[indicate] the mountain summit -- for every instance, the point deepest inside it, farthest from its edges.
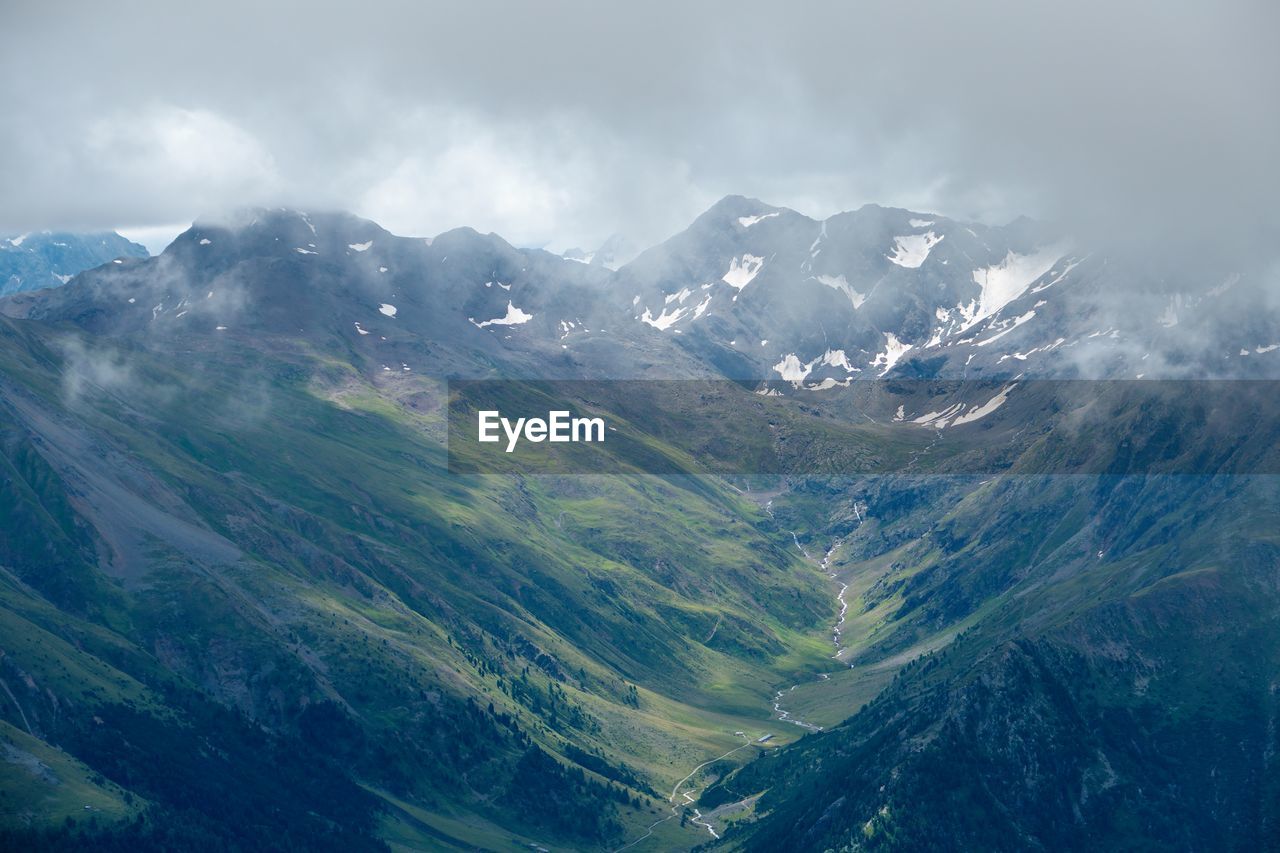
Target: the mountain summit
(749, 290)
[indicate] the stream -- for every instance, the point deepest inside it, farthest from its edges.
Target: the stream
(680, 800)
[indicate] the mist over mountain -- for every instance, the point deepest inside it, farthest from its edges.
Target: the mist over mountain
(878, 292)
(748, 290)
(1146, 124)
(612, 253)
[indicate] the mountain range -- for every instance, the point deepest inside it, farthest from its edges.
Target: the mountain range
(48, 259)
(245, 604)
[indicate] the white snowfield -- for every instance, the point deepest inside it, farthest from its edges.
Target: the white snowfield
(360, 247)
(748, 221)
(1007, 280)
(665, 320)
(839, 282)
(671, 315)
(956, 415)
(1008, 326)
(911, 250)
(514, 317)
(742, 270)
(893, 353)
(792, 369)
(387, 309)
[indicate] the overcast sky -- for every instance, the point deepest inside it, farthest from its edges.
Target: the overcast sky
(559, 123)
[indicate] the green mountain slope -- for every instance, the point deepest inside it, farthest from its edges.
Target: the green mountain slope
(244, 604)
(1112, 683)
(275, 536)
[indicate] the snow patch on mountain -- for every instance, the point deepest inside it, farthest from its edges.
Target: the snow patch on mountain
(792, 369)
(664, 320)
(1006, 281)
(1023, 356)
(837, 358)
(893, 353)
(956, 415)
(980, 412)
(822, 235)
(748, 221)
(938, 419)
(1059, 277)
(742, 270)
(670, 316)
(514, 317)
(839, 282)
(911, 250)
(1008, 326)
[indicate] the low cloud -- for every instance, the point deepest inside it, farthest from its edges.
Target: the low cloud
(562, 122)
(88, 371)
(194, 153)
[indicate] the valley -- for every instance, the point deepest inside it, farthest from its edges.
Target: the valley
(739, 427)
(779, 606)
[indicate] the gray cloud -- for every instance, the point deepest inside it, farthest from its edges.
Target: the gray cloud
(561, 122)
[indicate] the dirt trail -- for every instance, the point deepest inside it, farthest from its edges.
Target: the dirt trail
(688, 798)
